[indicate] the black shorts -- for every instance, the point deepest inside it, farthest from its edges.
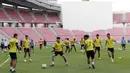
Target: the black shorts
(73, 45)
(111, 49)
(32, 47)
(2, 46)
(13, 56)
(59, 53)
(123, 45)
(67, 47)
(40, 45)
(82, 45)
(6, 46)
(97, 48)
(90, 54)
(26, 50)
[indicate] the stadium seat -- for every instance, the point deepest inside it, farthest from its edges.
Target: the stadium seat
(127, 17)
(13, 14)
(118, 18)
(40, 18)
(10, 31)
(128, 33)
(27, 16)
(47, 34)
(64, 33)
(79, 34)
(31, 33)
(116, 33)
(53, 17)
(102, 34)
(3, 16)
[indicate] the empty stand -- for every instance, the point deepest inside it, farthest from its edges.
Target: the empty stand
(117, 33)
(53, 17)
(10, 31)
(31, 33)
(102, 34)
(27, 16)
(40, 18)
(13, 14)
(64, 33)
(3, 16)
(47, 34)
(127, 17)
(79, 34)
(128, 33)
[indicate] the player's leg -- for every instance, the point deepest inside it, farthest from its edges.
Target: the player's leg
(112, 51)
(40, 46)
(99, 53)
(13, 62)
(33, 49)
(109, 53)
(62, 54)
(71, 48)
(53, 56)
(88, 58)
(66, 49)
(74, 48)
(92, 57)
(29, 54)
(25, 54)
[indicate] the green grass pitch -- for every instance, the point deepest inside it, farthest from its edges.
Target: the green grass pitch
(77, 62)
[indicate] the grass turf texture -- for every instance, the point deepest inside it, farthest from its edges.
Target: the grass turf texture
(77, 62)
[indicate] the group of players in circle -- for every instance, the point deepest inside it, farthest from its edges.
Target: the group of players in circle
(88, 45)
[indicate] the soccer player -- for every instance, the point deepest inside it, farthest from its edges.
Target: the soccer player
(32, 45)
(13, 46)
(2, 45)
(73, 42)
(123, 43)
(26, 48)
(110, 46)
(40, 43)
(67, 44)
(45, 43)
(97, 45)
(21, 46)
(88, 46)
(82, 44)
(5, 45)
(58, 51)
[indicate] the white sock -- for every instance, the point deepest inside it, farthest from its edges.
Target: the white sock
(93, 63)
(52, 62)
(66, 62)
(11, 68)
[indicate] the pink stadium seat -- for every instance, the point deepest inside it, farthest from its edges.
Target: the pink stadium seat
(79, 34)
(53, 17)
(10, 31)
(116, 33)
(3, 15)
(40, 18)
(47, 34)
(31, 33)
(128, 33)
(127, 17)
(102, 34)
(118, 18)
(64, 33)
(13, 14)
(27, 16)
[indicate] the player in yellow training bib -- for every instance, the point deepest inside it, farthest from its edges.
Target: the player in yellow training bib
(13, 46)
(110, 45)
(88, 46)
(97, 45)
(58, 50)
(67, 44)
(26, 46)
(40, 43)
(73, 42)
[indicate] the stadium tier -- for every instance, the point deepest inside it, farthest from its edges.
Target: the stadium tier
(127, 17)
(3, 16)
(117, 33)
(64, 33)
(10, 31)
(118, 18)
(53, 17)
(40, 18)
(13, 14)
(128, 33)
(102, 34)
(79, 34)
(31, 33)
(47, 34)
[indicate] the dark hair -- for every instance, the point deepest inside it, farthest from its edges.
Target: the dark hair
(97, 34)
(57, 37)
(108, 33)
(87, 36)
(15, 34)
(26, 35)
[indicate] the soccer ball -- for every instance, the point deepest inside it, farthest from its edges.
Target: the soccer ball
(44, 66)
